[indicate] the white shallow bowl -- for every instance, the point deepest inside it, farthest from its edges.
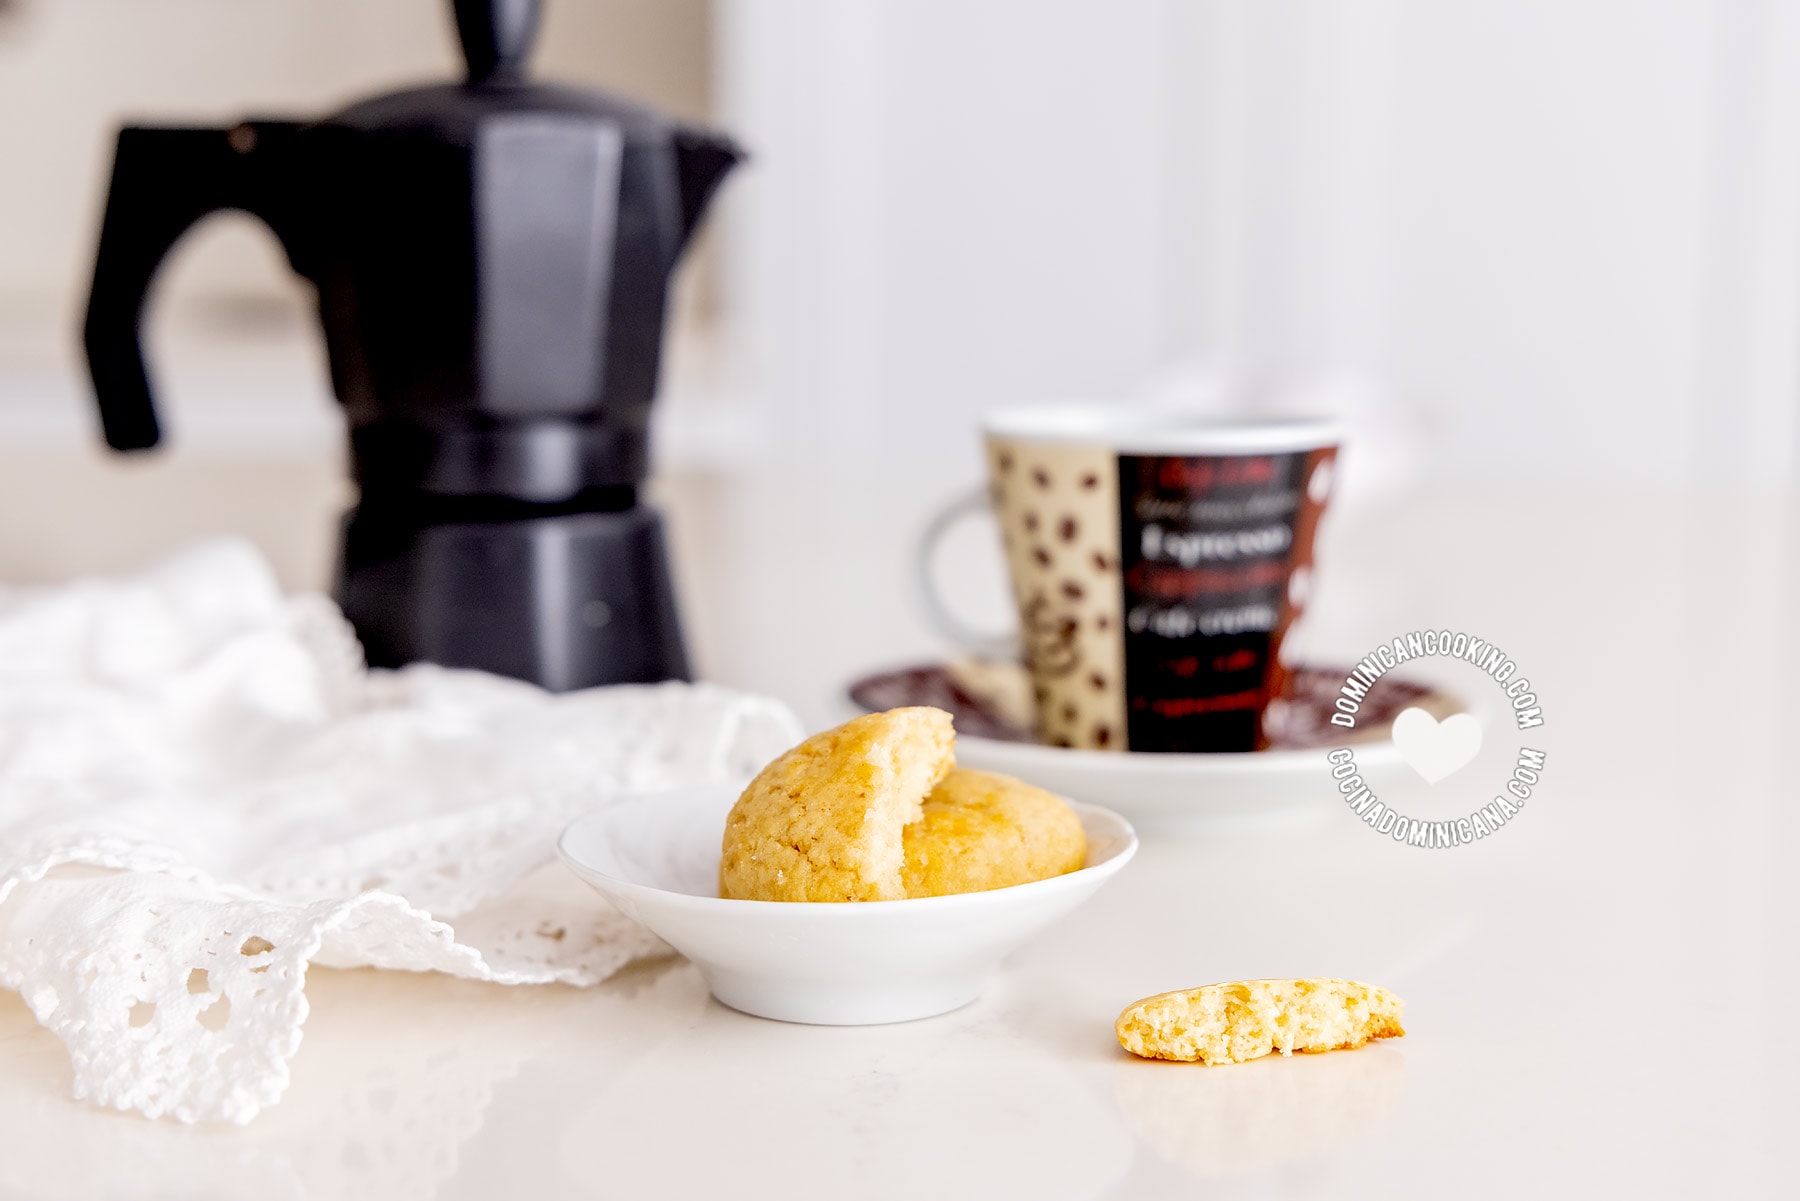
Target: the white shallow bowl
(861, 963)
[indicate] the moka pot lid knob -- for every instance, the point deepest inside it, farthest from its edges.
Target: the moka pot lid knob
(497, 37)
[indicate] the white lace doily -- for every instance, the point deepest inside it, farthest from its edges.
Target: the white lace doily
(202, 791)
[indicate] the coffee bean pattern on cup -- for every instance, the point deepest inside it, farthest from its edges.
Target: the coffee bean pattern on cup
(1058, 508)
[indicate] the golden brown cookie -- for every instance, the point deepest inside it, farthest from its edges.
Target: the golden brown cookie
(823, 822)
(1247, 1019)
(980, 830)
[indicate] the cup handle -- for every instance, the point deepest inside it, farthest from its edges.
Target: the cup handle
(931, 602)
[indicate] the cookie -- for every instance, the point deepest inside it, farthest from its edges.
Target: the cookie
(980, 830)
(1247, 1019)
(823, 822)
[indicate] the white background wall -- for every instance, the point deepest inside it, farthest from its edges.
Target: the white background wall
(1548, 240)
(1520, 239)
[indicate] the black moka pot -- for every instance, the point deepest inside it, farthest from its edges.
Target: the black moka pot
(492, 262)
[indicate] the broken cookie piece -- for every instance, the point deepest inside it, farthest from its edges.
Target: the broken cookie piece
(1247, 1019)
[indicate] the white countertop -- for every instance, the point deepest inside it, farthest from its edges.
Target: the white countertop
(1596, 996)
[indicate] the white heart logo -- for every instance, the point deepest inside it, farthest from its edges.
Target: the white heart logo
(1434, 749)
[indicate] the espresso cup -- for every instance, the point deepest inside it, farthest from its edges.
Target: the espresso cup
(1158, 562)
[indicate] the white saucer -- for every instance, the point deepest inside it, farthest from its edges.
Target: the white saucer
(859, 963)
(1171, 792)
(1165, 792)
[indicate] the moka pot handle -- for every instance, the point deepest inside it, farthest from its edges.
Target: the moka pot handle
(165, 180)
